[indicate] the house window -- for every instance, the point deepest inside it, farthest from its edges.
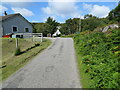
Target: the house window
(26, 29)
(15, 29)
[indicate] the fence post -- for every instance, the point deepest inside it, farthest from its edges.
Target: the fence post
(33, 38)
(16, 42)
(41, 37)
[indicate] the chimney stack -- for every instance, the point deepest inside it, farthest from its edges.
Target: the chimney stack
(5, 13)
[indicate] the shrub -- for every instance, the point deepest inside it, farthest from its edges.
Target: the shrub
(17, 51)
(85, 32)
(37, 44)
(100, 58)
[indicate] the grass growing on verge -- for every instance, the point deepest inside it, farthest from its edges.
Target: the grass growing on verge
(83, 78)
(98, 57)
(29, 49)
(18, 51)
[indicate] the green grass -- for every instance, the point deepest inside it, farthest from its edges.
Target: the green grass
(9, 47)
(83, 77)
(29, 50)
(68, 36)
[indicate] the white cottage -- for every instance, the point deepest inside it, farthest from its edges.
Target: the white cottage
(14, 23)
(57, 33)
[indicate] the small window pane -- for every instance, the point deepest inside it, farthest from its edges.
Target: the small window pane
(27, 29)
(14, 29)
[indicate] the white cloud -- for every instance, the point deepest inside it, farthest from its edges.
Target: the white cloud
(100, 11)
(87, 6)
(96, 10)
(2, 9)
(62, 8)
(47, 10)
(23, 11)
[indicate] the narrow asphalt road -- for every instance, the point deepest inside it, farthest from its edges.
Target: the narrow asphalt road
(55, 67)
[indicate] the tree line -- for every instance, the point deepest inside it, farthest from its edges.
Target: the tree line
(77, 25)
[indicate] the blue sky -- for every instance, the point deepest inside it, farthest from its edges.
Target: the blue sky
(60, 11)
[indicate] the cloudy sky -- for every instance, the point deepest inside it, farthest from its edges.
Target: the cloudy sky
(60, 10)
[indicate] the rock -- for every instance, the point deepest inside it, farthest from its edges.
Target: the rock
(113, 26)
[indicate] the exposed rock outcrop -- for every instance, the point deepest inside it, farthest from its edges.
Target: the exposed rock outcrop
(104, 29)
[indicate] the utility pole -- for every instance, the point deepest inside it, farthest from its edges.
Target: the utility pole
(80, 25)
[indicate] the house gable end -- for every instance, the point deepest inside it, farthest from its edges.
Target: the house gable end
(15, 17)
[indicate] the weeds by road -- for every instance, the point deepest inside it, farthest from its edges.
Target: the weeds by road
(29, 49)
(98, 54)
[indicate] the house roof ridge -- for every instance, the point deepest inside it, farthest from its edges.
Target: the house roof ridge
(2, 18)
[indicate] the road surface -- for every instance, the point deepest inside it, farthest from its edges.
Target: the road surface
(55, 67)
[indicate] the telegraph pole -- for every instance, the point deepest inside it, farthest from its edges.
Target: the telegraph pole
(80, 25)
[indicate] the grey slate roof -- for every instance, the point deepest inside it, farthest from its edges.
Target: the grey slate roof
(2, 18)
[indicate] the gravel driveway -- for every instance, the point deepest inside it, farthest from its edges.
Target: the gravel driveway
(55, 67)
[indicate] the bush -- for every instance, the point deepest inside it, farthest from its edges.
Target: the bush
(37, 44)
(18, 51)
(58, 35)
(100, 57)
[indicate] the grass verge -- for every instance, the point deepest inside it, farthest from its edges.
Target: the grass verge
(84, 79)
(29, 50)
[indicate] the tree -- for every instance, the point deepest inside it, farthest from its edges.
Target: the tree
(73, 25)
(34, 29)
(41, 28)
(90, 22)
(64, 29)
(89, 16)
(52, 25)
(114, 15)
(44, 28)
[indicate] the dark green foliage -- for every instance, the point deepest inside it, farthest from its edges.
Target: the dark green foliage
(36, 27)
(92, 22)
(89, 16)
(72, 26)
(100, 57)
(114, 15)
(41, 28)
(18, 51)
(37, 44)
(52, 28)
(75, 25)
(59, 35)
(64, 29)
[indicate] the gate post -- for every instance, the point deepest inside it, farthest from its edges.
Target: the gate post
(16, 42)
